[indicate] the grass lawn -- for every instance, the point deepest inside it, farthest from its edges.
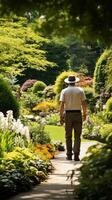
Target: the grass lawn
(57, 133)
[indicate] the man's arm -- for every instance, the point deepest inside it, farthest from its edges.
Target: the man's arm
(84, 109)
(61, 112)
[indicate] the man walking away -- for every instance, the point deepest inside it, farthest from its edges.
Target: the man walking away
(72, 101)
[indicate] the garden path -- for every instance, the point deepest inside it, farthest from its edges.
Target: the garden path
(57, 186)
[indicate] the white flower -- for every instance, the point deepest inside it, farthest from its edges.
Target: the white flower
(43, 122)
(25, 131)
(3, 124)
(9, 118)
(10, 123)
(1, 115)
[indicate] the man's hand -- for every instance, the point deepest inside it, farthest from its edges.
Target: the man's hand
(62, 120)
(62, 117)
(84, 117)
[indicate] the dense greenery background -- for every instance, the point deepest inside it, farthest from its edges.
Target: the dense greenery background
(90, 19)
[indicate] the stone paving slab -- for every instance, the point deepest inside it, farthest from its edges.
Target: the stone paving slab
(57, 186)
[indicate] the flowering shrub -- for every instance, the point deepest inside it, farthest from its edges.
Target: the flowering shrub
(27, 84)
(20, 170)
(12, 133)
(39, 135)
(45, 106)
(45, 152)
(95, 128)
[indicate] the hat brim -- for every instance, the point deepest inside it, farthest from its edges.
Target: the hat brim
(76, 80)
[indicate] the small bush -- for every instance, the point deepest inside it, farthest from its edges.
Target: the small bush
(7, 99)
(27, 84)
(45, 106)
(39, 135)
(38, 86)
(49, 92)
(90, 98)
(53, 119)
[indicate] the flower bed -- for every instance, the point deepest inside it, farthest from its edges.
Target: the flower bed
(21, 167)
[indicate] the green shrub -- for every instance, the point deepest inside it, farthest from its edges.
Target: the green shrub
(90, 98)
(109, 105)
(59, 84)
(95, 175)
(38, 86)
(103, 71)
(109, 109)
(39, 135)
(105, 133)
(20, 170)
(7, 100)
(53, 119)
(28, 100)
(49, 92)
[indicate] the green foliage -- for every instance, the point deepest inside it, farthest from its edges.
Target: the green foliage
(49, 92)
(90, 19)
(82, 55)
(109, 109)
(39, 134)
(7, 99)
(96, 170)
(109, 105)
(102, 76)
(7, 141)
(53, 119)
(57, 53)
(96, 128)
(90, 98)
(27, 101)
(20, 47)
(60, 84)
(20, 170)
(38, 86)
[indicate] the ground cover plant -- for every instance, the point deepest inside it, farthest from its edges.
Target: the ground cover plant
(20, 170)
(96, 166)
(97, 170)
(21, 166)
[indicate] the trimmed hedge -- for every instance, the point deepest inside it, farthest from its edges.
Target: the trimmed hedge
(7, 99)
(109, 109)
(39, 86)
(103, 71)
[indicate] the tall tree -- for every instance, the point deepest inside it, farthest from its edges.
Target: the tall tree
(20, 47)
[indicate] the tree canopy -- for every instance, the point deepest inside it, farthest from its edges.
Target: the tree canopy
(88, 18)
(20, 47)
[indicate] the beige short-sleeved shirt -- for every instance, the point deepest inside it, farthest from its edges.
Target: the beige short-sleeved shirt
(72, 97)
